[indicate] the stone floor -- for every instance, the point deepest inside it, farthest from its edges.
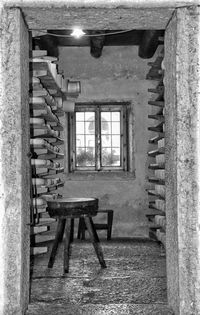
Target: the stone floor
(134, 281)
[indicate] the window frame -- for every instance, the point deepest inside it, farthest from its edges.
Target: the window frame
(98, 108)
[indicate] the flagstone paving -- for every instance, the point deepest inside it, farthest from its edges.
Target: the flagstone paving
(134, 281)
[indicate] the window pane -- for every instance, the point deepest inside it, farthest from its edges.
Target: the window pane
(79, 116)
(90, 127)
(105, 116)
(110, 138)
(116, 141)
(85, 157)
(116, 156)
(90, 140)
(89, 116)
(106, 141)
(106, 157)
(85, 139)
(110, 157)
(115, 116)
(116, 128)
(80, 127)
(80, 141)
(105, 127)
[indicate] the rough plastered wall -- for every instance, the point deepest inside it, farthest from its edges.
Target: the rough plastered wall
(182, 86)
(118, 75)
(14, 164)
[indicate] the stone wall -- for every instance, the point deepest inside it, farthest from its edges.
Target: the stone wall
(14, 164)
(182, 84)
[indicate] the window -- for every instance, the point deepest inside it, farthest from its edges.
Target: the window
(99, 137)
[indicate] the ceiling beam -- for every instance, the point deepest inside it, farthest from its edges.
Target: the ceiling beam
(149, 43)
(96, 44)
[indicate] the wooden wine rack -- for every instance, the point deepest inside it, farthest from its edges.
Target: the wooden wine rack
(47, 89)
(156, 214)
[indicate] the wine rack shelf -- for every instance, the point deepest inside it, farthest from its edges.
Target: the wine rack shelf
(47, 88)
(156, 214)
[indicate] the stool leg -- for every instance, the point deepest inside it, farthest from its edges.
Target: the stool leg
(62, 230)
(67, 245)
(81, 229)
(110, 221)
(59, 233)
(92, 232)
(72, 231)
(94, 229)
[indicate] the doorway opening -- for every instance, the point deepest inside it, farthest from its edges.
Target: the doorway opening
(106, 134)
(181, 27)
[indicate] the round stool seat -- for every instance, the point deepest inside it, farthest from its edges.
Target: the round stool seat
(72, 207)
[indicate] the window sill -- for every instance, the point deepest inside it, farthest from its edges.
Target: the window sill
(108, 176)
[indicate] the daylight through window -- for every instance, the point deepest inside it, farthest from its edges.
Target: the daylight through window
(99, 137)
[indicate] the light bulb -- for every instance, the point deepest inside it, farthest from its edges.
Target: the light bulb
(77, 33)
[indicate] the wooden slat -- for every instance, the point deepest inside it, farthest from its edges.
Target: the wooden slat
(158, 128)
(160, 159)
(156, 180)
(39, 229)
(160, 204)
(38, 53)
(50, 172)
(154, 209)
(160, 174)
(43, 221)
(156, 152)
(47, 151)
(39, 210)
(160, 220)
(157, 103)
(57, 126)
(155, 139)
(43, 93)
(158, 90)
(38, 250)
(154, 193)
(56, 141)
(157, 117)
(44, 238)
(156, 166)
(160, 190)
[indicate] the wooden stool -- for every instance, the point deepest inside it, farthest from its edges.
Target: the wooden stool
(65, 210)
(98, 226)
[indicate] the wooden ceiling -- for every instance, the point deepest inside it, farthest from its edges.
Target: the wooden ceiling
(147, 40)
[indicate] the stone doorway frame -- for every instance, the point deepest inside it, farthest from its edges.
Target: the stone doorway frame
(181, 21)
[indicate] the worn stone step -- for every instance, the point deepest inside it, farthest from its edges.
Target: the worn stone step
(42, 308)
(130, 289)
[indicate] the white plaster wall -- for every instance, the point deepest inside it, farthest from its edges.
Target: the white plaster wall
(118, 75)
